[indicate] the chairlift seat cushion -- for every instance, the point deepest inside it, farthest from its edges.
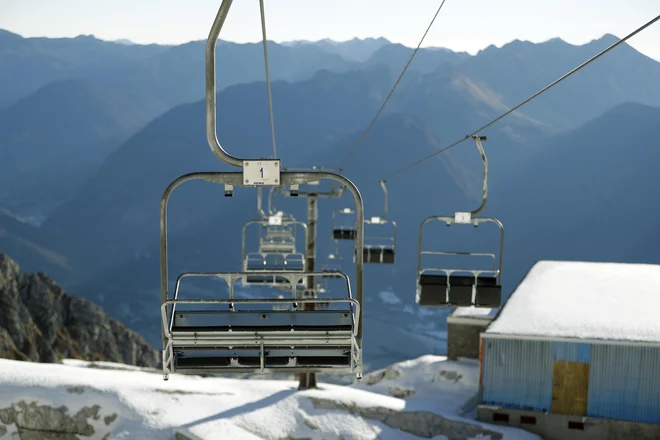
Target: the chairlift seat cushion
(344, 234)
(427, 279)
(433, 291)
(378, 255)
(489, 296)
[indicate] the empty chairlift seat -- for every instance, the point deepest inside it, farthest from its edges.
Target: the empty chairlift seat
(343, 225)
(381, 248)
(234, 338)
(378, 254)
(276, 253)
(457, 290)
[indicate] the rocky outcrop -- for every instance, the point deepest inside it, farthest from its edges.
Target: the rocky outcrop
(40, 322)
(31, 421)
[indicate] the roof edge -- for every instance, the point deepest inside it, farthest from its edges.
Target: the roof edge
(546, 338)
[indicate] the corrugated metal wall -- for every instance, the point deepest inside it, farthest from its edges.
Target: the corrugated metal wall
(624, 381)
(517, 374)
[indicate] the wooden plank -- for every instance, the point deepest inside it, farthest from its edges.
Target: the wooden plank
(570, 387)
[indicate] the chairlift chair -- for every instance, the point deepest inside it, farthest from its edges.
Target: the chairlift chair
(462, 286)
(276, 253)
(380, 249)
(343, 229)
(231, 336)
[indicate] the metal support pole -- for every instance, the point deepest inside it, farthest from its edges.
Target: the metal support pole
(308, 380)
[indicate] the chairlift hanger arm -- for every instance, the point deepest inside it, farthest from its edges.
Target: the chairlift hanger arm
(211, 128)
(211, 110)
(385, 193)
(260, 208)
(271, 201)
(484, 160)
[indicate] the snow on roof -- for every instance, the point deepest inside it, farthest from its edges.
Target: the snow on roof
(587, 300)
(474, 312)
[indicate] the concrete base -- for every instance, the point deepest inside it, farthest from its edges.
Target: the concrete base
(565, 427)
(463, 337)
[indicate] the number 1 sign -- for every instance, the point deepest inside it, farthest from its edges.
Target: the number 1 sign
(261, 172)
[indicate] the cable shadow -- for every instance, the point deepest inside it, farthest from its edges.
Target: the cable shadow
(248, 407)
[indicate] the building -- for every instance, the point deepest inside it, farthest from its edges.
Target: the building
(574, 353)
(464, 328)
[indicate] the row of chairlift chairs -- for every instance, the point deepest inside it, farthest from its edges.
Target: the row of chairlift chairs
(236, 335)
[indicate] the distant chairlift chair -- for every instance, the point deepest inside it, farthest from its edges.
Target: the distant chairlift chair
(380, 249)
(462, 287)
(277, 251)
(343, 224)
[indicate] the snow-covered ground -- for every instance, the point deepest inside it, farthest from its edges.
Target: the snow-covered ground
(110, 401)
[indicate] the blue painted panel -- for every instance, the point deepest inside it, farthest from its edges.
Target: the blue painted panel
(571, 352)
(517, 374)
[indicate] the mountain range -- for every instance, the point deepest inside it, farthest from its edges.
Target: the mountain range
(564, 170)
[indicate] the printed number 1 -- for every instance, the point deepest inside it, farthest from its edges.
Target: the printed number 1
(262, 172)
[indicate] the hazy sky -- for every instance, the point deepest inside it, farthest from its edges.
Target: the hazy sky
(468, 25)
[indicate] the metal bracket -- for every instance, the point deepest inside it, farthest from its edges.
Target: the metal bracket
(229, 190)
(275, 220)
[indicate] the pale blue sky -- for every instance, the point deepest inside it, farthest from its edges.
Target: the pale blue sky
(468, 25)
